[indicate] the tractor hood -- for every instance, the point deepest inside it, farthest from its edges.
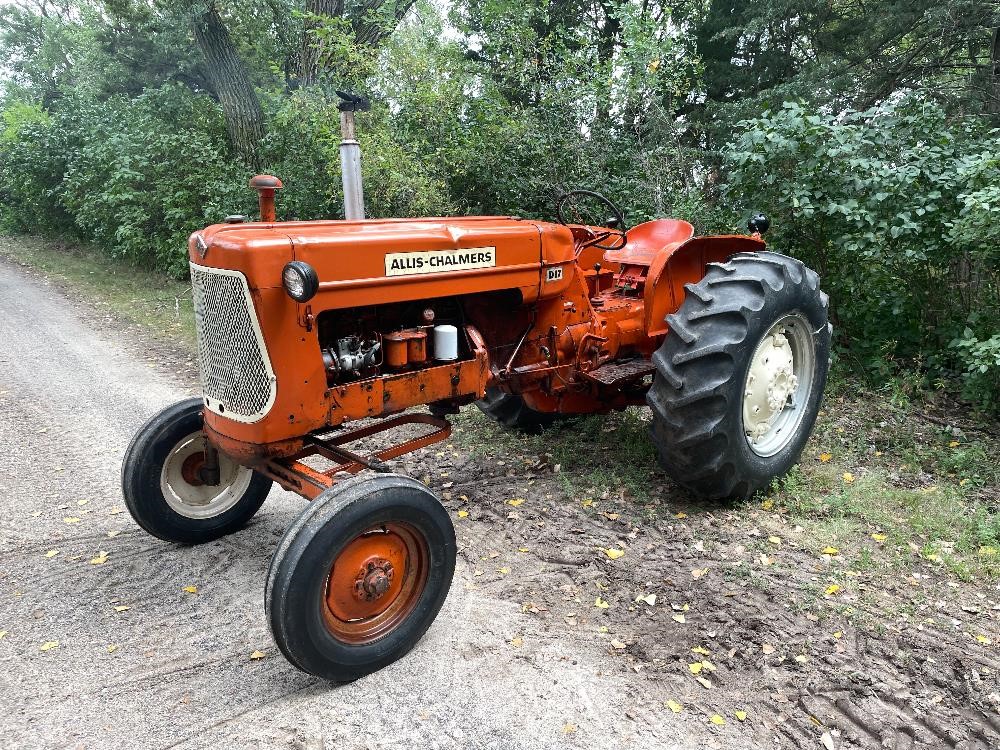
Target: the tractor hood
(404, 258)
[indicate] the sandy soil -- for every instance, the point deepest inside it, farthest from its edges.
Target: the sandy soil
(524, 653)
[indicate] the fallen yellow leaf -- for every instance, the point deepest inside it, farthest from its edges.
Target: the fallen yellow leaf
(832, 589)
(801, 658)
(953, 444)
(707, 665)
(101, 558)
(682, 514)
(190, 589)
(3, 634)
(698, 572)
(503, 571)
(831, 551)
(650, 599)
(679, 618)
(767, 504)
(48, 645)
(824, 457)
(774, 540)
(695, 667)
(618, 644)
(71, 519)
(988, 551)
(600, 603)
(52, 553)
(523, 549)
(112, 648)
(701, 650)
(614, 554)
(122, 608)
(984, 640)
(707, 684)
(587, 503)
(517, 642)
(741, 715)
(516, 501)
(848, 477)
(82, 502)
(569, 728)
(879, 537)
(717, 720)
(463, 514)
(767, 648)
(675, 706)
(257, 655)
(838, 635)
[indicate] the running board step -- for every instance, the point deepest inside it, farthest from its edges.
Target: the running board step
(618, 374)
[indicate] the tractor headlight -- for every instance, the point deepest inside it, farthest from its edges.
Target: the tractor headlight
(300, 280)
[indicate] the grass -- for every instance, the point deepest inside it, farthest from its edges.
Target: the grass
(153, 300)
(599, 456)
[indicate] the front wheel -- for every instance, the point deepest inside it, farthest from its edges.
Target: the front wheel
(360, 576)
(510, 411)
(164, 484)
(740, 375)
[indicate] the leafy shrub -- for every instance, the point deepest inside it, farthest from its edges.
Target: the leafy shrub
(893, 207)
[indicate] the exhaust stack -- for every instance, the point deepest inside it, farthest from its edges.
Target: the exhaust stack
(350, 155)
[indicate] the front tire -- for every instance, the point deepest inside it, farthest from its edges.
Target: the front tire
(360, 576)
(162, 487)
(510, 411)
(740, 375)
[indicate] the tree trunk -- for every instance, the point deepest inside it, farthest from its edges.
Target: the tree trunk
(228, 76)
(309, 57)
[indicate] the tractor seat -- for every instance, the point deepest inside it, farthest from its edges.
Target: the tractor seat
(646, 240)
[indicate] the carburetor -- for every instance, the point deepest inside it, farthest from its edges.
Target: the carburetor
(349, 356)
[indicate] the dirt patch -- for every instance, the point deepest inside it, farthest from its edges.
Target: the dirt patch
(731, 612)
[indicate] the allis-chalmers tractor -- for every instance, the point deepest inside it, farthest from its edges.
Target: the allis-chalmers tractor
(307, 326)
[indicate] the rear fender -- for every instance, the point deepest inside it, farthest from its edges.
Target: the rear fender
(671, 270)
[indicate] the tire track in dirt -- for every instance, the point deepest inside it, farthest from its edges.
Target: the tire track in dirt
(883, 682)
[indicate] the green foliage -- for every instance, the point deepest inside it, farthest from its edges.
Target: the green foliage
(112, 131)
(887, 205)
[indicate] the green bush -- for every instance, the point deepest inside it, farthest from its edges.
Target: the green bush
(893, 207)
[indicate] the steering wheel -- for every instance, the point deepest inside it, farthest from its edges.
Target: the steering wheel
(589, 210)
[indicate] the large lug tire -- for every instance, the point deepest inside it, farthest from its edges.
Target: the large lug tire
(740, 375)
(360, 576)
(510, 410)
(163, 491)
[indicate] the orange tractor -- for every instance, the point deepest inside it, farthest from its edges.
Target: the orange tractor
(307, 326)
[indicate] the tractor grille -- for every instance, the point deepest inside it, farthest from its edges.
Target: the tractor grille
(236, 374)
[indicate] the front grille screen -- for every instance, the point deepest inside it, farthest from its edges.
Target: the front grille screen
(236, 374)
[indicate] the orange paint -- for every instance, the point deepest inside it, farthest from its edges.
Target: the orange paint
(537, 312)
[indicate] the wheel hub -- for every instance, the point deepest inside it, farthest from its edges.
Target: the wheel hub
(373, 580)
(777, 384)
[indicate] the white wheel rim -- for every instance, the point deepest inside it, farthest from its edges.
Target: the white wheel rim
(778, 385)
(201, 501)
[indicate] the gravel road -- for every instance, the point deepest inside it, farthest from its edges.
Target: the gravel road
(139, 662)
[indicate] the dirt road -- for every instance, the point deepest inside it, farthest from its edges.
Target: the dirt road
(174, 669)
(581, 616)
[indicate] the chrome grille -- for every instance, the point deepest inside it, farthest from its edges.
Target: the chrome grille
(236, 374)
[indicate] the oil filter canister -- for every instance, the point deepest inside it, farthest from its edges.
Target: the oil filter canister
(445, 343)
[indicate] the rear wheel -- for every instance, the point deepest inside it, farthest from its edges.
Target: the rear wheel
(360, 576)
(164, 484)
(740, 375)
(510, 410)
